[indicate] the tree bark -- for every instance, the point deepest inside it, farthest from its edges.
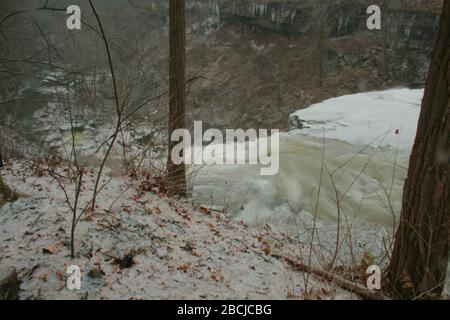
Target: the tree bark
(320, 34)
(421, 249)
(176, 174)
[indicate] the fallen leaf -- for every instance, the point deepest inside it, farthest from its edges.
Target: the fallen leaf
(217, 276)
(127, 261)
(205, 210)
(43, 277)
(96, 273)
(127, 209)
(184, 267)
(51, 248)
(59, 276)
(196, 253)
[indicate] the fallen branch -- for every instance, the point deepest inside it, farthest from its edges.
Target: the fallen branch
(332, 277)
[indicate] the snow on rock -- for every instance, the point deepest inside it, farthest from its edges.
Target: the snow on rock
(387, 116)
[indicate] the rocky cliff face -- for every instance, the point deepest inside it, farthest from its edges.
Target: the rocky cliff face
(293, 53)
(408, 31)
(258, 60)
(343, 18)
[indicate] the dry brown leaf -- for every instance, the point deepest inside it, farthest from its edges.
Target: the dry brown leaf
(196, 253)
(127, 209)
(184, 267)
(43, 277)
(205, 210)
(59, 276)
(217, 276)
(51, 248)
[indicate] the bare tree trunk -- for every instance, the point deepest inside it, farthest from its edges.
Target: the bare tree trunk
(385, 38)
(119, 107)
(320, 35)
(321, 39)
(176, 174)
(421, 250)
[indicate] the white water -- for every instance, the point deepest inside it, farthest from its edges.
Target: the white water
(364, 181)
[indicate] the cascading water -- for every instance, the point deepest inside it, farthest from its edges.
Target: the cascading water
(365, 146)
(367, 184)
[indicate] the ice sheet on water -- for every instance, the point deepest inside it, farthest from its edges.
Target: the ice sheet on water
(389, 116)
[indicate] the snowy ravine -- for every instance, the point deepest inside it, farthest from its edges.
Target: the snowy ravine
(142, 245)
(365, 140)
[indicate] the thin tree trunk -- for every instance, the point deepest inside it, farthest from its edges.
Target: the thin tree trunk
(421, 250)
(176, 174)
(320, 34)
(119, 107)
(385, 38)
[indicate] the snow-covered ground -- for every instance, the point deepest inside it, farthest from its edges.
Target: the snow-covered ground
(347, 165)
(142, 245)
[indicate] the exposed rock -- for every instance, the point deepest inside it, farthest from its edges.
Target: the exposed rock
(6, 194)
(9, 286)
(269, 50)
(96, 273)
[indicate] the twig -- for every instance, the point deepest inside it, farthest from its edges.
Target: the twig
(332, 277)
(119, 108)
